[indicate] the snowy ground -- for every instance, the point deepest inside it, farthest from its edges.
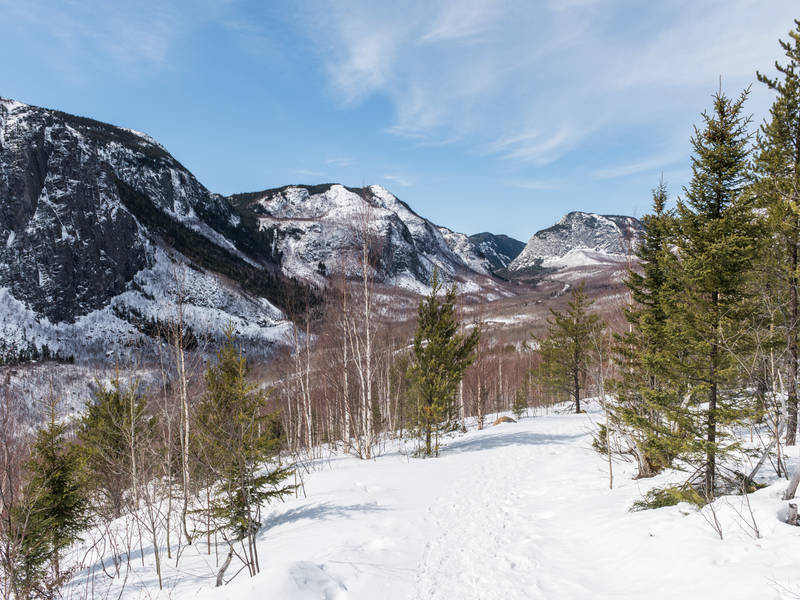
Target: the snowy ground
(514, 511)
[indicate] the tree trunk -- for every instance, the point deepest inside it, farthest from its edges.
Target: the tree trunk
(711, 417)
(182, 384)
(793, 482)
(427, 439)
(791, 517)
(224, 567)
(791, 376)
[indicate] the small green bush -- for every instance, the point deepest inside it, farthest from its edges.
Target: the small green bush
(668, 496)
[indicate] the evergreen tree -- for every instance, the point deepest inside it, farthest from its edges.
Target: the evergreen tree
(520, 405)
(710, 306)
(440, 357)
(54, 509)
(566, 349)
(240, 439)
(111, 429)
(647, 403)
(778, 169)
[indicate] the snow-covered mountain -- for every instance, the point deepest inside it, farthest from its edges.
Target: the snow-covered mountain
(101, 230)
(579, 239)
(319, 230)
(498, 250)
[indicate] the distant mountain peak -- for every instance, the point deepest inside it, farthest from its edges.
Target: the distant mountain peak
(317, 231)
(579, 239)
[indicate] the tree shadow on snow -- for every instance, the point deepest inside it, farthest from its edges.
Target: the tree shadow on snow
(507, 438)
(325, 510)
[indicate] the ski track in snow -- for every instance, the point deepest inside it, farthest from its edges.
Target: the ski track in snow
(517, 511)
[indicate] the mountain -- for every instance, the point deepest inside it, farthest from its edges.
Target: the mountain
(579, 240)
(319, 230)
(497, 250)
(103, 234)
(102, 231)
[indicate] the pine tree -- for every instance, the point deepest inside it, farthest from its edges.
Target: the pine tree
(240, 439)
(647, 403)
(778, 169)
(710, 307)
(54, 509)
(440, 356)
(566, 349)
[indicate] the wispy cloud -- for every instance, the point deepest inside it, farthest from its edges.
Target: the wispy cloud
(658, 163)
(532, 82)
(400, 180)
(340, 162)
(463, 20)
(536, 148)
(132, 37)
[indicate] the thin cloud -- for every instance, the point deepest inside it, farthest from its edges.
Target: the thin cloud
(652, 164)
(400, 180)
(481, 72)
(135, 38)
(340, 162)
(462, 20)
(543, 151)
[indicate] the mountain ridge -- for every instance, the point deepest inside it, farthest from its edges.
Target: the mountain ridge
(98, 221)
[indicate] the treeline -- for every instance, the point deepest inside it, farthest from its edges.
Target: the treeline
(29, 351)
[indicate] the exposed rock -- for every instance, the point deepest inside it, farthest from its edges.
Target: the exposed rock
(497, 250)
(578, 240)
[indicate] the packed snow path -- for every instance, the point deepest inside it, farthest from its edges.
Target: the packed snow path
(515, 511)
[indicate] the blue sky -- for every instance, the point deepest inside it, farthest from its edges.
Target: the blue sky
(498, 116)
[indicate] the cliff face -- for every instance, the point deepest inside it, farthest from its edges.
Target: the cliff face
(497, 250)
(318, 230)
(103, 233)
(87, 208)
(579, 239)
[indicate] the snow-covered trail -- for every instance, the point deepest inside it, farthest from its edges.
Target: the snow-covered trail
(515, 511)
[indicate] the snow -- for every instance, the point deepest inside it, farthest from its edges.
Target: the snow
(580, 239)
(210, 305)
(463, 248)
(148, 138)
(580, 257)
(325, 227)
(12, 104)
(516, 511)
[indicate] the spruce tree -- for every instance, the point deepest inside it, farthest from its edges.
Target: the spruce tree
(778, 169)
(520, 405)
(566, 349)
(440, 356)
(240, 439)
(710, 307)
(112, 427)
(647, 391)
(54, 509)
